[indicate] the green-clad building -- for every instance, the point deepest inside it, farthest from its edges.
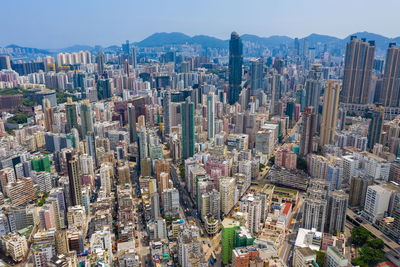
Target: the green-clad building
(41, 164)
(243, 238)
(229, 227)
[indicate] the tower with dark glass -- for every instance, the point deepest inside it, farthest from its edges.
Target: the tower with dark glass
(235, 67)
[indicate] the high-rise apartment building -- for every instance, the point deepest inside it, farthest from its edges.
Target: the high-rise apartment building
(329, 112)
(71, 114)
(100, 63)
(358, 190)
(307, 132)
(314, 87)
(75, 189)
(358, 64)
(86, 117)
(314, 213)
(390, 94)
(235, 67)
(5, 62)
(336, 211)
(375, 126)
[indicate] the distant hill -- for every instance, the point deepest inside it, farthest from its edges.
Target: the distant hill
(28, 49)
(178, 38)
(163, 38)
(75, 48)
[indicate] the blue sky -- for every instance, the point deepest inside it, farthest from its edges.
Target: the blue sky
(57, 23)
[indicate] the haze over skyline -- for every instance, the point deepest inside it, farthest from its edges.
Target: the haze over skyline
(54, 24)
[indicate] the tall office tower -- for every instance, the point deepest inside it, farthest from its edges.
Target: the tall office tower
(167, 113)
(132, 123)
(75, 189)
(307, 132)
(188, 140)
(155, 205)
(235, 67)
(126, 67)
(86, 117)
(210, 115)
(71, 114)
(305, 48)
(132, 58)
(336, 211)
(314, 213)
(358, 64)
(256, 76)
(375, 126)
(48, 115)
(276, 91)
(296, 47)
(5, 62)
(100, 63)
(125, 48)
(329, 112)
(391, 78)
(143, 148)
(313, 87)
(301, 98)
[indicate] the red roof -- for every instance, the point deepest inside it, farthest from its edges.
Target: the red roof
(286, 210)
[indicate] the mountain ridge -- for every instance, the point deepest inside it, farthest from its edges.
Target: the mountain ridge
(177, 38)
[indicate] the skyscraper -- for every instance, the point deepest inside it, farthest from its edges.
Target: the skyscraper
(167, 113)
(132, 123)
(74, 179)
(375, 126)
(307, 132)
(296, 47)
(358, 64)
(390, 94)
(100, 63)
(235, 67)
(70, 112)
(313, 87)
(210, 115)
(125, 48)
(188, 140)
(256, 76)
(132, 58)
(86, 117)
(329, 112)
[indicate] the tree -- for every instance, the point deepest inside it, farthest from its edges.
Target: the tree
(371, 256)
(182, 171)
(301, 164)
(320, 258)
(358, 262)
(271, 160)
(376, 244)
(359, 235)
(262, 166)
